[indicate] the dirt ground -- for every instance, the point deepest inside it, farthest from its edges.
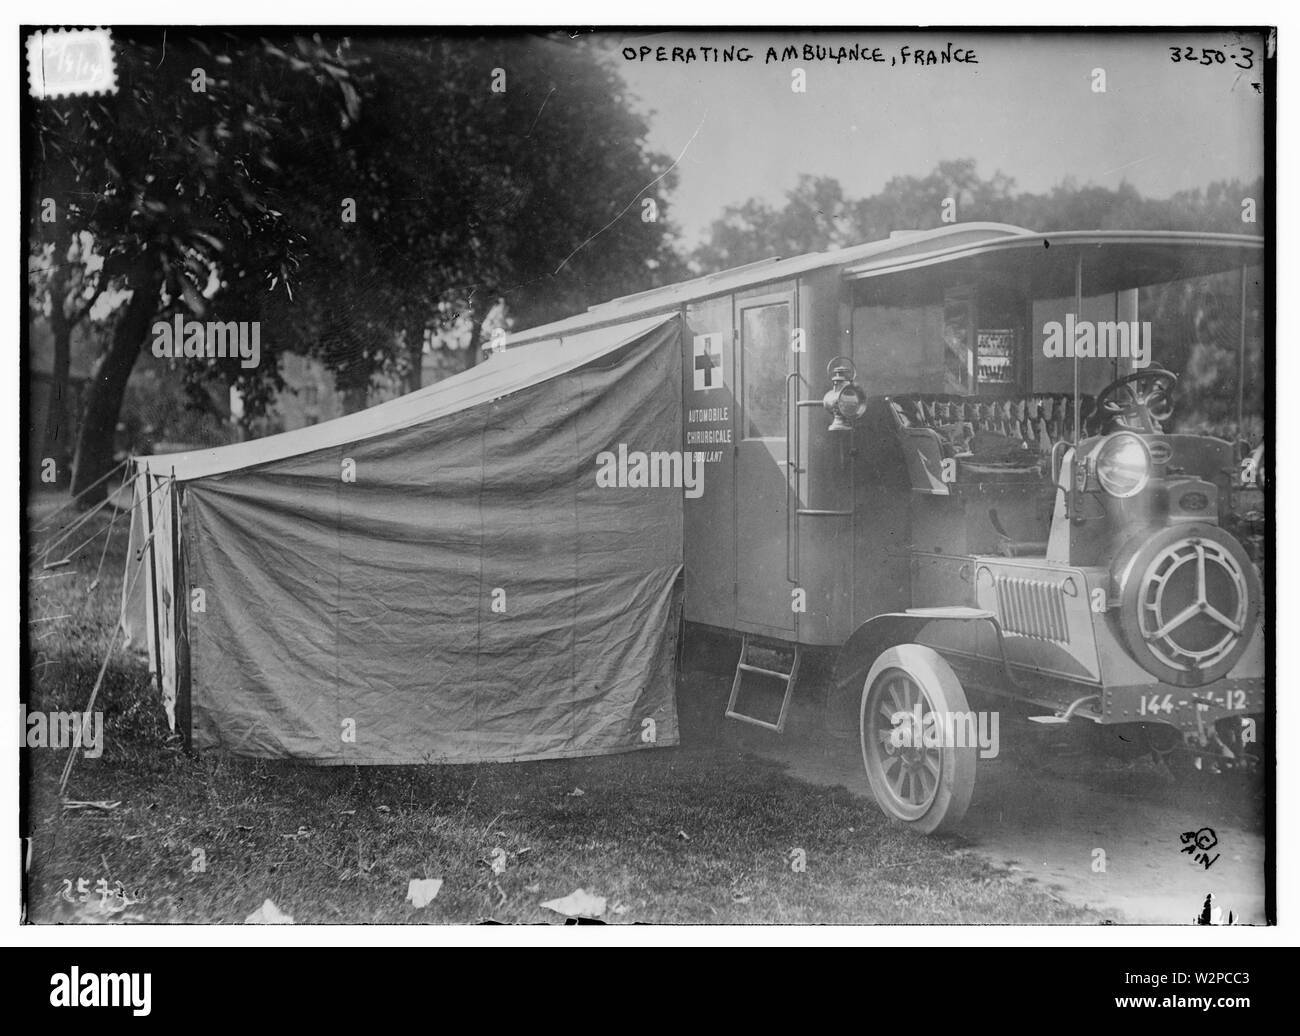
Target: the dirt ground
(1050, 800)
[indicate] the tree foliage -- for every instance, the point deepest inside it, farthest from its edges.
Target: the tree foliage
(1196, 322)
(816, 216)
(351, 194)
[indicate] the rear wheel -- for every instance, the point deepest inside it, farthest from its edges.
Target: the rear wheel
(917, 777)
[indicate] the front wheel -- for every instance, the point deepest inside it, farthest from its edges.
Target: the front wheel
(919, 773)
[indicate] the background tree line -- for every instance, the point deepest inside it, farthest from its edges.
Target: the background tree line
(1195, 323)
(356, 195)
(364, 196)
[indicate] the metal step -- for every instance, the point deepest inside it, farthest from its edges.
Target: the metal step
(743, 667)
(1070, 713)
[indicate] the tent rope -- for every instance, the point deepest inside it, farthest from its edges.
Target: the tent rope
(44, 551)
(118, 627)
(99, 569)
(88, 515)
(88, 541)
(49, 518)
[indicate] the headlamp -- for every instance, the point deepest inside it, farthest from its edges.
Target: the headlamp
(1123, 465)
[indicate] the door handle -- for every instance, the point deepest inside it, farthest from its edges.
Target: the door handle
(791, 476)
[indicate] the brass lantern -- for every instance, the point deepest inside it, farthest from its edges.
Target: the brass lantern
(845, 401)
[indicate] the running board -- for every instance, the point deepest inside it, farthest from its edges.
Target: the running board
(743, 666)
(1068, 714)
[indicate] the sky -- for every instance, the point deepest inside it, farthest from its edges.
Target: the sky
(1027, 108)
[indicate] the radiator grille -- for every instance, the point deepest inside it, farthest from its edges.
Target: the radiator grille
(1030, 608)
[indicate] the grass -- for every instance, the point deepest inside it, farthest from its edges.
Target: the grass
(702, 833)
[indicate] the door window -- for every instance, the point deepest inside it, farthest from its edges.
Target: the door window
(765, 334)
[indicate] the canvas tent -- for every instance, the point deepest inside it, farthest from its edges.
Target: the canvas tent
(435, 579)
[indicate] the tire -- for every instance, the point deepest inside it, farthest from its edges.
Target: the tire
(927, 788)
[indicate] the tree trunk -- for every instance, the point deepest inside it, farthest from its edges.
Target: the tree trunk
(56, 443)
(479, 308)
(355, 397)
(415, 355)
(96, 436)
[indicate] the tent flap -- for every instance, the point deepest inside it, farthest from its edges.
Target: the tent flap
(454, 586)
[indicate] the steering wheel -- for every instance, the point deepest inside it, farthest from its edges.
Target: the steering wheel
(1140, 401)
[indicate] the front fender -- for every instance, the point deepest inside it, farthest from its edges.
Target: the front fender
(867, 642)
(890, 628)
(881, 632)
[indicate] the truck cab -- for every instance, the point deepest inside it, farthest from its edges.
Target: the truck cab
(1078, 528)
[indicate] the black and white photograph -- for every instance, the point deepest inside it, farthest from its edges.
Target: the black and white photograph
(722, 476)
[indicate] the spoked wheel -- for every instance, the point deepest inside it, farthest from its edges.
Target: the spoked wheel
(925, 781)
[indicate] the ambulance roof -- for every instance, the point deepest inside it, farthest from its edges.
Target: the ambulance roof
(1155, 254)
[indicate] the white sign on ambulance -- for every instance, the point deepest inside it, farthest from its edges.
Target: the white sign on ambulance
(708, 362)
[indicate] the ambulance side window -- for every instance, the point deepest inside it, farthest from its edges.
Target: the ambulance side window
(765, 334)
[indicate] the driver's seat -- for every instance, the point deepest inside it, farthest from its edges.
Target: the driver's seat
(993, 438)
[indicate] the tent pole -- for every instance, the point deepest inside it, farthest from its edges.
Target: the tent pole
(182, 633)
(153, 579)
